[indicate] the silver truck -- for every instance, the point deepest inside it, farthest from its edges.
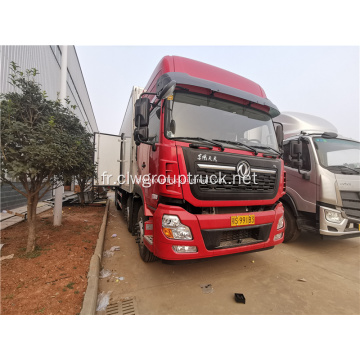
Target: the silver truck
(322, 178)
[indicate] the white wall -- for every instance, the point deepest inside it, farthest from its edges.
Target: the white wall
(47, 60)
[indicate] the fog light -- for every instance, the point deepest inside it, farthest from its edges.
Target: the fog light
(174, 229)
(333, 216)
(278, 236)
(184, 249)
(280, 224)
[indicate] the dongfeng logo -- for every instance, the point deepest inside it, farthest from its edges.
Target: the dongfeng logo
(243, 168)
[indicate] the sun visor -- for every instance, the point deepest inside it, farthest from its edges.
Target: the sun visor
(185, 79)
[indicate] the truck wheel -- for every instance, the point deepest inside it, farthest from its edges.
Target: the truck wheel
(128, 216)
(124, 204)
(291, 230)
(117, 198)
(145, 254)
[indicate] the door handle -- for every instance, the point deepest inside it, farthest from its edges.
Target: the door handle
(143, 165)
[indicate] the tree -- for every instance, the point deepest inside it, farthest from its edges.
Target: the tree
(40, 141)
(86, 169)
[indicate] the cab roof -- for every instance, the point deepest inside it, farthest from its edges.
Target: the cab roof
(203, 71)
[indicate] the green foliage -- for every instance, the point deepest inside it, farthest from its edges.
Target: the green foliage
(70, 285)
(42, 141)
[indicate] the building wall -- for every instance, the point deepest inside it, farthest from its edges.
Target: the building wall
(47, 60)
(11, 199)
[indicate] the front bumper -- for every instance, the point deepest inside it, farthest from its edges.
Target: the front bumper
(347, 227)
(202, 226)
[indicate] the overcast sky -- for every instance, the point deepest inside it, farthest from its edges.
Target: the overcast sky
(322, 81)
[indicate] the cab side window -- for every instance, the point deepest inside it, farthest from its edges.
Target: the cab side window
(306, 156)
(154, 125)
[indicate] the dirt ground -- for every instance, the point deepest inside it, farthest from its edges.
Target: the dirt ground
(312, 276)
(51, 280)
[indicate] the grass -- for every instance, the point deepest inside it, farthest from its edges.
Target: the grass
(70, 285)
(89, 227)
(31, 254)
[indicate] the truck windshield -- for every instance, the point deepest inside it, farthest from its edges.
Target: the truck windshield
(191, 115)
(338, 155)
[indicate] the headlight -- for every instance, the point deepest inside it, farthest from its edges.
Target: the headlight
(280, 224)
(174, 229)
(170, 221)
(278, 236)
(333, 216)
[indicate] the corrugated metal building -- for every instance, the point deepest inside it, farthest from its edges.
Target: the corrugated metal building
(47, 60)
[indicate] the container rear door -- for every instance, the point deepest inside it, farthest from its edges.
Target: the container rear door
(107, 157)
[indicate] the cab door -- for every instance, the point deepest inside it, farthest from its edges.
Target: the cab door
(301, 186)
(148, 159)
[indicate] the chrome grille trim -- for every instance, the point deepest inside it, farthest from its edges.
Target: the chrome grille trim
(233, 168)
(264, 171)
(216, 167)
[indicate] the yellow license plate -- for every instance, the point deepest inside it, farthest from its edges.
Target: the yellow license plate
(242, 220)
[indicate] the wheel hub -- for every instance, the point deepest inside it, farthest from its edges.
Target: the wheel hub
(141, 232)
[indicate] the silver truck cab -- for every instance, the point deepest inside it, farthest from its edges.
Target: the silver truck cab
(322, 178)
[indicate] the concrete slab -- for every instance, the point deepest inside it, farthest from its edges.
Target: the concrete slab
(12, 219)
(4, 216)
(270, 284)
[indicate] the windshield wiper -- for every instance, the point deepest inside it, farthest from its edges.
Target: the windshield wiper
(343, 167)
(267, 148)
(239, 144)
(198, 139)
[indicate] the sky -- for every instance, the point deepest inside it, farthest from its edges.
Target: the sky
(317, 80)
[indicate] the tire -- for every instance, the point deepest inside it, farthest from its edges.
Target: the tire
(128, 216)
(145, 254)
(124, 204)
(117, 198)
(292, 232)
(134, 215)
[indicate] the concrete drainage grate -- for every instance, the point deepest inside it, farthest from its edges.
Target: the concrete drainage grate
(125, 306)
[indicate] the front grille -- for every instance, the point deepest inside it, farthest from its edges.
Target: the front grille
(351, 203)
(228, 238)
(204, 164)
(263, 182)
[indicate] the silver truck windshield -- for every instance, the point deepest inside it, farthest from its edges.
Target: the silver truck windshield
(190, 115)
(338, 155)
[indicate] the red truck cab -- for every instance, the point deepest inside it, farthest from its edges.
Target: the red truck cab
(207, 152)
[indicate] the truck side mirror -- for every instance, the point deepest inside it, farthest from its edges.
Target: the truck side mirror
(296, 154)
(295, 148)
(141, 134)
(279, 132)
(142, 110)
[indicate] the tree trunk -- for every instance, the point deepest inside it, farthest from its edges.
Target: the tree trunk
(82, 195)
(31, 219)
